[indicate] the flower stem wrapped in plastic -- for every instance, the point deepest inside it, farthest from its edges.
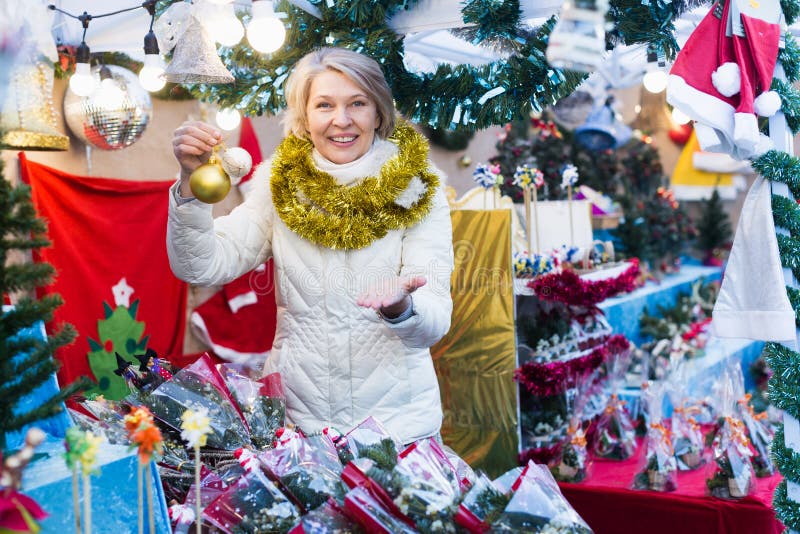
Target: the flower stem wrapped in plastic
(760, 434)
(262, 403)
(199, 386)
(308, 468)
(732, 475)
(537, 506)
(615, 436)
(252, 505)
(371, 440)
(572, 463)
(659, 472)
(687, 438)
(481, 506)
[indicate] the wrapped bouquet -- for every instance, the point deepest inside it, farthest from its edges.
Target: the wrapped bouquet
(615, 437)
(732, 475)
(198, 386)
(537, 506)
(262, 403)
(660, 468)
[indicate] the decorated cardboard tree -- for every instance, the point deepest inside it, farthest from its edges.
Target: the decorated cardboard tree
(25, 362)
(119, 333)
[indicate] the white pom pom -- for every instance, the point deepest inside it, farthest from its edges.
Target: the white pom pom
(237, 163)
(767, 104)
(727, 79)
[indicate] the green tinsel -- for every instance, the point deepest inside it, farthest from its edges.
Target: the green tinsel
(786, 459)
(785, 509)
(780, 167)
(791, 9)
(790, 103)
(789, 56)
(786, 214)
(491, 18)
(789, 248)
(455, 96)
(794, 299)
(784, 386)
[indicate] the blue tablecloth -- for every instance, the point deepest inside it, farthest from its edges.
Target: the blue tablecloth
(113, 491)
(623, 312)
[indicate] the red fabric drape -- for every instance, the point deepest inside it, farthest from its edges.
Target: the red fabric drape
(607, 504)
(103, 230)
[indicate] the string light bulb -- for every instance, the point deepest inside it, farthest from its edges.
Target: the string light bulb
(228, 118)
(151, 76)
(265, 32)
(82, 83)
(227, 29)
(655, 79)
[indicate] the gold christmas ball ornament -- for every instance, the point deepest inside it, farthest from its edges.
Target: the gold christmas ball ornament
(236, 162)
(209, 182)
(464, 161)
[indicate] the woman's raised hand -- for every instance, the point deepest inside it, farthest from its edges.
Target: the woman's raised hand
(192, 143)
(392, 297)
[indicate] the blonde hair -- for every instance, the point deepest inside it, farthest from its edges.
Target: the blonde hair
(362, 70)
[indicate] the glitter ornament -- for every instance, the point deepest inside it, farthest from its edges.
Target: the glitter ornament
(236, 162)
(115, 115)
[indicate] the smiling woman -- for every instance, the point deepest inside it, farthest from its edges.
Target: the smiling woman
(355, 218)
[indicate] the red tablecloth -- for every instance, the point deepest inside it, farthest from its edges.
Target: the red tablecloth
(607, 504)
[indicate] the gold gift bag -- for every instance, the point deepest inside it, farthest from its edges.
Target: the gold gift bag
(476, 359)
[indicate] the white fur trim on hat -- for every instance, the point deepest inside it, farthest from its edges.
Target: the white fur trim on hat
(727, 79)
(767, 104)
(745, 133)
(700, 106)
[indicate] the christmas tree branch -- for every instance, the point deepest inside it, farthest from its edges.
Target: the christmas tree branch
(790, 103)
(786, 214)
(780, 167)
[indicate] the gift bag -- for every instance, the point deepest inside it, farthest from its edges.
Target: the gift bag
(659, 469)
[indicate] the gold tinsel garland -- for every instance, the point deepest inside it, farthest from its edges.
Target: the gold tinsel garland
(315, 206)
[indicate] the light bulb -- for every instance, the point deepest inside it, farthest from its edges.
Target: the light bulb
(228, 118)
(265, 32)
(227, 30)
(152, 74)
(655, 81)
(82, 83)
(110, 95)
(680, 117)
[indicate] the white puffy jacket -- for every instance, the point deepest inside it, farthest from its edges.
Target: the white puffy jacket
(339, 362)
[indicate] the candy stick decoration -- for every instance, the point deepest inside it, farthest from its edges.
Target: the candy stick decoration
(569, 177)
(146, 436)
(81, 452)
(487, 177)
(195, 428)
(498, 179)
(76, 505)
(529, 179)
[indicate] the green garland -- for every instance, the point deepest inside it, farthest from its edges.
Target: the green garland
(789, 57)
(790, 103)
(786, 510)
(794, 300)
(784, 456)
(783, 362)
(455, 97)
(786, 214)
(314, 206)
(779, 166)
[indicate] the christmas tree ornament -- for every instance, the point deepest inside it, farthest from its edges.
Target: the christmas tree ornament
(28, 119)
(209, 182)
(115, 115)
(680, 133)
(195, 59)
(602, 130)
(578, 40)
(464, 161)
(573, 110)
(236, 162)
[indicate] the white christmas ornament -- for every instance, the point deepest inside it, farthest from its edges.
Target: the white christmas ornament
(237, 162)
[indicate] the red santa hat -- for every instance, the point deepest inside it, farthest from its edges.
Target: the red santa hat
(238, 322)
(691, 86)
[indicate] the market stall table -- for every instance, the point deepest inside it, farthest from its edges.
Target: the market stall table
(609, 506)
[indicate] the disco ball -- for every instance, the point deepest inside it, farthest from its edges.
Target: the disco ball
(115, 115)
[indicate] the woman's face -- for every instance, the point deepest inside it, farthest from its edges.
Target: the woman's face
(342, 118)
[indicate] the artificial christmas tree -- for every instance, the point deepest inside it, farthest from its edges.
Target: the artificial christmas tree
(25, 362)
(714, 231)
